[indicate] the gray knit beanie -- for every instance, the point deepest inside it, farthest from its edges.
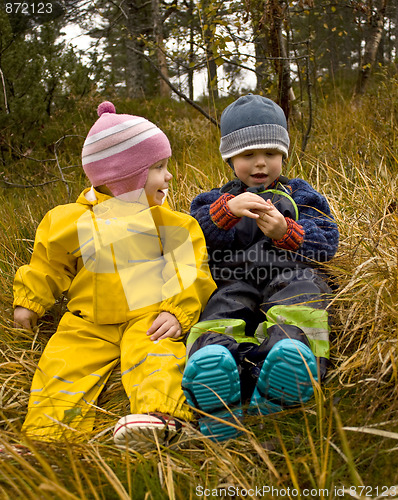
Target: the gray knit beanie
(253, 122)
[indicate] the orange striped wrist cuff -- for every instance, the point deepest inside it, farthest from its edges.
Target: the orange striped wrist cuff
(293, 238)
(221, 215)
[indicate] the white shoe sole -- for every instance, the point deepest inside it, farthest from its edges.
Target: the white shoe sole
(143, 432)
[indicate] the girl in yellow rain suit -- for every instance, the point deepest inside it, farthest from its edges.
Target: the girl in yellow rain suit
(136, 278)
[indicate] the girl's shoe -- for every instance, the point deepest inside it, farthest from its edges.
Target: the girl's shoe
(286, 378)
(142, 432)
(211, 383)
(13, 450)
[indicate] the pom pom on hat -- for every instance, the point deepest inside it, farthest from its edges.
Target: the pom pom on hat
(253, 122)
(119, 149)
(106, 107)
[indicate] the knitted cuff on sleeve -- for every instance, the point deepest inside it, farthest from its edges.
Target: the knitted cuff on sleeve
(293, 238)
(221, 215)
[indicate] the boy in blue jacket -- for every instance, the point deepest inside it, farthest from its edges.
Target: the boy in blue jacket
(263, 338)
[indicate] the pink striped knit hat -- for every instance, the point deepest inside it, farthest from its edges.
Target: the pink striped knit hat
(119, 150)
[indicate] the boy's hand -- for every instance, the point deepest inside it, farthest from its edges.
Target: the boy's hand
(242, 205)
(24, 318)
(271, 222)
(165, 325)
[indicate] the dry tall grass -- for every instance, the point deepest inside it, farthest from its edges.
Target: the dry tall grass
(347, 436)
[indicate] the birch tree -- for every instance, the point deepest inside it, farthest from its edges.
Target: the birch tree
(375, 10)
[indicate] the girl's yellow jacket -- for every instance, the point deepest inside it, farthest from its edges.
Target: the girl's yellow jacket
(115, 259)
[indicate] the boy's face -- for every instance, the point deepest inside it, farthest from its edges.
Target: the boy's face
(258, 166)
(157, 182)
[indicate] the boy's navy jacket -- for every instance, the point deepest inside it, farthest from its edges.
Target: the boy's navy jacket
(229, 249)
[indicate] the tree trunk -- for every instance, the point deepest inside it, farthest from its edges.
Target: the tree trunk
(375, 32)
(261, 74)
(212, 80)
(191, 54)
(396, 29)
(275, 16)
(134, 73)
(136, 25)
(164, 89)
(257, 9)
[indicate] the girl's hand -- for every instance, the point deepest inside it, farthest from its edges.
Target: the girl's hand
(246, 205)
(165, 325)
(24, 318)
(271, 222)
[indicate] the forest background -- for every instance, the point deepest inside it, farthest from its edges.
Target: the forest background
(332, 65)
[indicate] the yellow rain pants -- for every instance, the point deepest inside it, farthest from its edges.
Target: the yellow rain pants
(78, 361)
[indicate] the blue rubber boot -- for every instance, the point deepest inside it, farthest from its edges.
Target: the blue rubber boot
(285, 379)
(211, 383)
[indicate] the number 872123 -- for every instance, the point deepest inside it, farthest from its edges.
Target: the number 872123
(29, 8)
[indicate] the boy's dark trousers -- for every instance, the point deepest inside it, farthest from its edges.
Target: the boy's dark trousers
(287, 300)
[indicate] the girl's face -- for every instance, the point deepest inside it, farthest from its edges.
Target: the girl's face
(258, 166)
(157, 183)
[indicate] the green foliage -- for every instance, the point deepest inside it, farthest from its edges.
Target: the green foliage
(40, 75)
(333, 29)
(347, 435)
